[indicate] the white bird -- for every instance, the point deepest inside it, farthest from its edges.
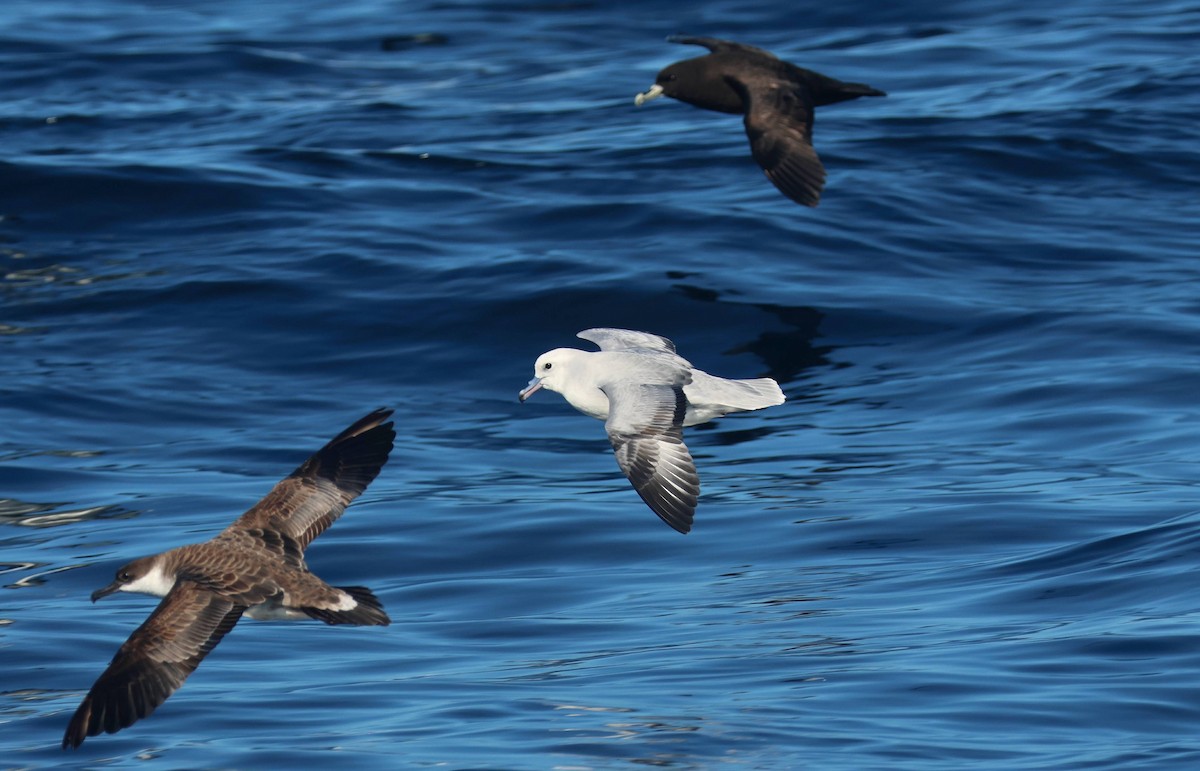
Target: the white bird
(646, 393)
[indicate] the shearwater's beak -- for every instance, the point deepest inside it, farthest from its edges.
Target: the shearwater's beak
(534, 386)
(653, 92)
(114, 586)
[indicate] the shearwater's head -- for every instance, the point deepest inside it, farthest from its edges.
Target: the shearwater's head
(552, 371)
(144, 575)
(699, 82)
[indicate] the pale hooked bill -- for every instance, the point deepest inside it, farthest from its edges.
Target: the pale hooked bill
(254, 567)
(646, 393)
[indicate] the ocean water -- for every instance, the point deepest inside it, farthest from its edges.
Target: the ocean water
(970, 538)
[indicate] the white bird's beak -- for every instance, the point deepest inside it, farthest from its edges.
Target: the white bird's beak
(653, 92)
(534, 386)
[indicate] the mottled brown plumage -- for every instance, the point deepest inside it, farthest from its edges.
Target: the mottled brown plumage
(253, 567)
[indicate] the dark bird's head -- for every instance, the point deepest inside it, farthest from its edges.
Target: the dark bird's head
(698, 82)
(143, 575)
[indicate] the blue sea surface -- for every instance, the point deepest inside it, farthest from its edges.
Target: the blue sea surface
(969, 539)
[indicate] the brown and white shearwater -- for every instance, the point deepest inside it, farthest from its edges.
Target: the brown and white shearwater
(777, 100)
(253, 567)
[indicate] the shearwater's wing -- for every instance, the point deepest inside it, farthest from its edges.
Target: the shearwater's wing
(304, 504)
(717, 45)
(645, 427)
(154, 661)
(610, 339)
(779, 123)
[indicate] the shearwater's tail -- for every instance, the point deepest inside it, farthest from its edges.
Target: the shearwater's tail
(367, 611)
(826, 90)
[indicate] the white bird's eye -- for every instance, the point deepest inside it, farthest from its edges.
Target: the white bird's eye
(547, 365)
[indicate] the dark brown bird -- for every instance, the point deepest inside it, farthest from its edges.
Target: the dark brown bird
(776, 99)
(253, 567)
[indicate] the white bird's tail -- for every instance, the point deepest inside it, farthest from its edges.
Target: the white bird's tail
(710, 397)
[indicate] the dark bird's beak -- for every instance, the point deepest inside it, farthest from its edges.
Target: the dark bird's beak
(114, 586)
(529, 390)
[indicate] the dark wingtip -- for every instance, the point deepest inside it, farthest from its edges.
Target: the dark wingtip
(855, 90)
(677, 514)
(363, 425)
(353, 458)
(376, 417)
(687, 40)
(798, 183)
(679, 518)
(683, 528)
(76, 730)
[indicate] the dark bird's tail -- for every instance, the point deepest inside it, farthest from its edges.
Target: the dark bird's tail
(826, 90)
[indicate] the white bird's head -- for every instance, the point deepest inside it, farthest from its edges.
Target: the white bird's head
(551, 371)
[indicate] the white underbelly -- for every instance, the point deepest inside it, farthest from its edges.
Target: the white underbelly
(273, 610)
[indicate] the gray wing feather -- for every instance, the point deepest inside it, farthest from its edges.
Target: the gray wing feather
(645, 428)
(610, 339)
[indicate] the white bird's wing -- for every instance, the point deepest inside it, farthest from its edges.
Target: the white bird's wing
(610, 339)
(645, 426)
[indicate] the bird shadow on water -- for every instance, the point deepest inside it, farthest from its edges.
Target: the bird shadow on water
(787, 353)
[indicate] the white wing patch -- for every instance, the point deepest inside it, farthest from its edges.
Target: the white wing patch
(345, 602)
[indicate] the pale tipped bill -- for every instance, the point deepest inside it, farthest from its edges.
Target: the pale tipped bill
(653, 92)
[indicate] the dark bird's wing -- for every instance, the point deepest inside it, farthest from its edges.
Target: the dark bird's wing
(716, 45)
(305, 504)
(154, 661)
(645, 426)
(779, 121)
